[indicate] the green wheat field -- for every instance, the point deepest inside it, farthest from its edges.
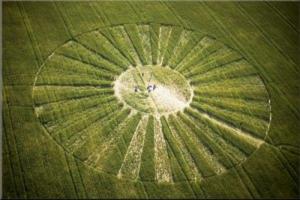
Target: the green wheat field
(151, 100)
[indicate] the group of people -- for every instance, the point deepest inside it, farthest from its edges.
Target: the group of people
(150, 88)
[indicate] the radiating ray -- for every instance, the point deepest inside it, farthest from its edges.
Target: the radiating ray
(76, 140)
(203, 49)
(290, 148)
(49, 94)
(95, 146)
(78, 52)
(97, 43)
(113, 156)
(52, 111)
(253, 108)
(252, 125)
(154, 33)
(226, 152)
(246, 92)
(194, 144)
(173, 40)
(237, 146)
(180, 152)
(125, 45)
(247, 86)
(80, 142)
(63, 70)
(134, 36)
(183, 41)
(71, 80)
(253, 139)
(78, 121)
(237, 82)
(147, 168)
(162, 163)
(105, 74)
(177, 164)
(216, 58)
(231, 70)
(144, 34)
(163, 40)
(214, 144)
(115, 37)
(132, 161)
(73, 141)
(61, 63)
(202, 68)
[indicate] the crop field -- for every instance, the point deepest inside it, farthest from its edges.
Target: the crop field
(151, 100)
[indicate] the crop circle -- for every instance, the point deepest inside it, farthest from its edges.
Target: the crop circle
(153, 89)
(152, 102)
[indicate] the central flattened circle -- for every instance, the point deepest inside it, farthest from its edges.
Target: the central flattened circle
(153, 89)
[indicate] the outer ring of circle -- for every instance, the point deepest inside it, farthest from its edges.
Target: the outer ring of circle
(149, 23)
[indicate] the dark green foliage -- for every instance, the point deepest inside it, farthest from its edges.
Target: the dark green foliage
(132, 31)
(154, 32)
(147, 170)
(116, 155)
(204, 168)
(37, 166)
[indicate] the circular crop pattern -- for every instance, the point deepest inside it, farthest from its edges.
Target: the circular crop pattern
(151, 102)
(153, 89)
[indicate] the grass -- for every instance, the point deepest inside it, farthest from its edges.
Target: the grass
(68, 134)
(147, 171)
